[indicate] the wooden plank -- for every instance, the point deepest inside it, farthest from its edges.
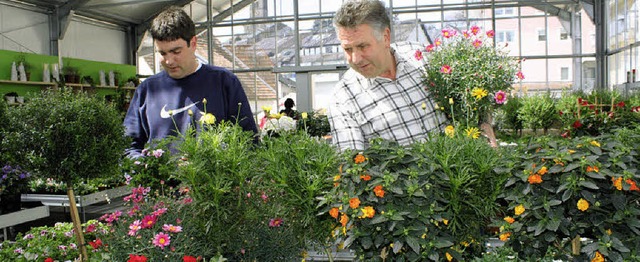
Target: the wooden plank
(23, 216)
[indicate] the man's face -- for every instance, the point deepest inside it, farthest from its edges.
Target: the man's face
(178, 59)
(364, 52)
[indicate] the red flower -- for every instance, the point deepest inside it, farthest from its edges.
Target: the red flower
(430, 48)
(566, 134)
(445, 69)
(418, 55)
(621, 104)
(577, 124)
(491, 33)
(137, 258)
(96, 244)
(189, 259)
(48, 259)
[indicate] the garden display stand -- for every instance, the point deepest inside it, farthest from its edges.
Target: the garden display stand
(22, 216)
(82, 202)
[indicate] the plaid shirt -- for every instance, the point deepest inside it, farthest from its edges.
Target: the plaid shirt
(366, 108)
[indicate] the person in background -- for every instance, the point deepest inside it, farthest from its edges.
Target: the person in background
(288, 108)
(187, 91)
(382, 94)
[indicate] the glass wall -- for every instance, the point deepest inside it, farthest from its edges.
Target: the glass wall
(268, 43)
(622, 42)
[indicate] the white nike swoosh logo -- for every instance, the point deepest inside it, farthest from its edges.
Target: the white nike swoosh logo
(167, 114)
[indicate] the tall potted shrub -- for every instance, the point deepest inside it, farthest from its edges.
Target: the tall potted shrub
(69, 137)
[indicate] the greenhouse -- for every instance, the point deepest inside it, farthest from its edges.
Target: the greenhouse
(319, 130)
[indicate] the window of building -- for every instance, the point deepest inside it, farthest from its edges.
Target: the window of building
(542, 34)
(564, 35)
(505, 36)
(564, 73)
(505, 11)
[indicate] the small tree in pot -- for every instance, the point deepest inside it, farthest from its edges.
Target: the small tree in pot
(69, 137)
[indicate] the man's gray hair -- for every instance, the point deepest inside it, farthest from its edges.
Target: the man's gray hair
(358, 12)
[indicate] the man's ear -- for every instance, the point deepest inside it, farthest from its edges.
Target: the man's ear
(387, 36)
(193, 41)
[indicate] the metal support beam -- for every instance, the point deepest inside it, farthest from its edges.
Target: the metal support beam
(601, 48)
(54, 32)
(576, 37)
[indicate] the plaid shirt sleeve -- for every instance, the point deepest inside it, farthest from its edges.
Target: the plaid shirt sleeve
(400, 110)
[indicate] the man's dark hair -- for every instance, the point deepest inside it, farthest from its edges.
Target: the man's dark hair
(173, 24)
(289, 103)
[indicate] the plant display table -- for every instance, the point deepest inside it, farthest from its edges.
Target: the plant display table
(22, 216)
(82, 202)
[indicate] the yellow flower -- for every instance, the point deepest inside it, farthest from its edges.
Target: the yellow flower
(451, 101)
(446, 222)
(304, 115)
(424, 236)
(519, 210)
(479, 93)
(449, 131)
(472, 132)
(597, 257)
(571, 151)
(609, 232)
(190, 112)
(204, 101)
(424, 105)
(276, 116)
(266, 108)
(595, 143)
(543, 170)
(583, 205)
(207, 118)
(368, 212)
(449, 257)
(509, 220)
(505, 236)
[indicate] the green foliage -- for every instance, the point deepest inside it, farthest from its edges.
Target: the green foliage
(468, 69)
(57, 242)
(65, 136)
(153, 169)
(583, 187)
(314, 124)
(149, 216)
(538, 111)
(508, 115)
(418, 203)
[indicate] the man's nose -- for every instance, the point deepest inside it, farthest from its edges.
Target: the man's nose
(356, 56)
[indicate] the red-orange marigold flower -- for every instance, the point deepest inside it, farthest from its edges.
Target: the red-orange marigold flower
(365, 177)
(505, 236)
(344, 219)
(334, 212)
(634, 187)
(617, 182)
(543, 170)
(535, 179)
(509, 220)
(593, 169)
(378, 191)
(359, 159)
(354, 202)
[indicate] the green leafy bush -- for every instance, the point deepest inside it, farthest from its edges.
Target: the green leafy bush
(431, 201)
(65, 136)
(538, 112)
(314, 124)
(561, 189)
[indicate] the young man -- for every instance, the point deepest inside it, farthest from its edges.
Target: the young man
(167, 103)
(382, 95)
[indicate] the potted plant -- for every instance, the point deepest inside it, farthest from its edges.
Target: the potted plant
(13, 181)
(21, 59)
(69, 137)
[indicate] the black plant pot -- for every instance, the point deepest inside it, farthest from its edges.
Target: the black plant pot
(9, 203)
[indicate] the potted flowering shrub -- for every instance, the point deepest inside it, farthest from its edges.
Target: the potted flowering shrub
(562, 190)
(429, 202)
(69, 137)
(54, 243)
(155, 226)
(13, 181)
(468, 76)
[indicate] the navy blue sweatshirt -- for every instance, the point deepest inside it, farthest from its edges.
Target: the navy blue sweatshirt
(161, 103)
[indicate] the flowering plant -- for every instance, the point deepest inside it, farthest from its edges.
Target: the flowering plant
(13, 179)
(55, 243)
(278, 124)
(427, 202)
(154, 227)
(153, 169)
(467, 75)
(564, 189)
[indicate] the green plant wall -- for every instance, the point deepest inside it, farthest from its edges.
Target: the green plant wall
(37, 61)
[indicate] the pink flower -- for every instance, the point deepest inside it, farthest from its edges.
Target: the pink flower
(466, 34)
(500, 97)
(475, 29)
(477, 43)
(171, 228)
(447, 33)
(438, 42)
(275, 222)
(134, 227)
(418, 55)
(445, 69)
(161, 240)
(159, 211)
(520, 75)
(264, 197)
(430, 48)
(491, 33)
(158, 153)
(91, 228)
(149, 221)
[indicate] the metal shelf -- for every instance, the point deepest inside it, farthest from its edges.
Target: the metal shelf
(81, 201)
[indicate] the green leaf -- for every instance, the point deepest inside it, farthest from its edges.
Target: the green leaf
(590, 248)
(617, 244)
(397, 246)
(596, 150)
(366, 242)
(588, 184)
(619, 201)
(379, 219)
(554, 202)
(595, 175)
(413, 243)
(553, 225)
(539, 228)
(442, 243)
(556, 169)
(571, 166)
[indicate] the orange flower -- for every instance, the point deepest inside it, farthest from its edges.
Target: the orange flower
(335, 180)
(509, 220)
(583, 205)
(634, 187)
(593, 169)
(378, 191)
(354, 203)
(334, 212)
(365, 177)
(519, 210)
(505, 236)
(368, 212)
(597, 257)
(543, 170)
(344, 219)
(359, 159)
(535, 179)
(448, 256)
(617, 182)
